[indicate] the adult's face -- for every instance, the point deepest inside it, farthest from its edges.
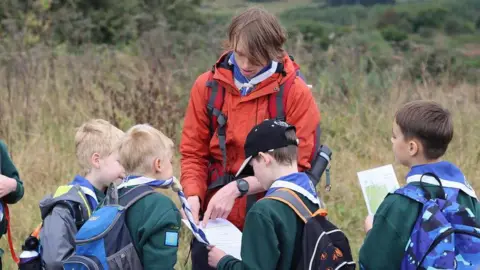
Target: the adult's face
(248, 67)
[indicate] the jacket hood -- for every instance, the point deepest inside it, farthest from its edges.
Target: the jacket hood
(48, 202)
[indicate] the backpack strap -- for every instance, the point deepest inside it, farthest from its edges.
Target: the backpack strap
(133, 195)
(412, 192)
(75, 210)
(277, 102)
(421, 194)
(80, 212)
(291, 199)
(216, 116)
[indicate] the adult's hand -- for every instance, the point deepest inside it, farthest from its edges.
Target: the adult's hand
(194, 202)
(7, 185)
(221, 203)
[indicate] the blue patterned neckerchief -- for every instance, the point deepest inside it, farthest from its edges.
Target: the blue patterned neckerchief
(246, 85)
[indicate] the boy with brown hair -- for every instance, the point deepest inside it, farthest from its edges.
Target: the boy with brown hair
(255, 79)
(65, 212)
(273, 237)
(422, 131)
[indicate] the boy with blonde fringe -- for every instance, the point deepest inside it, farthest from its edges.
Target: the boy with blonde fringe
(153, 221)
(65, 212)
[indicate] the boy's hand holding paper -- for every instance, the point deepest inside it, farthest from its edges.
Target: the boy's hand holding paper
(376, 183)
(223, 235)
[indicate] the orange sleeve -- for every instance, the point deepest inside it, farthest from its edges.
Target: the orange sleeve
(302, 112)
(195, 141)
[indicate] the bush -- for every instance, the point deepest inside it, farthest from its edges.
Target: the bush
(393, 34)
(361, 2)
(400, 20)
(347, 15)
(107, 22)
(454, 26)
(431, 18)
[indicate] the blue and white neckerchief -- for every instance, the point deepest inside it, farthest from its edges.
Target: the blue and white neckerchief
(245, 85)
(450, 176)
(299, 182)
(88, 189)
(131, 181)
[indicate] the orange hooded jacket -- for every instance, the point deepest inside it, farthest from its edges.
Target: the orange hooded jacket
(198, 148)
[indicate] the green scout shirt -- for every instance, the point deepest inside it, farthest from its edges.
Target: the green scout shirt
(384, 246)
(100, 197)
(154, 223)
(8, 169)
(272, 237)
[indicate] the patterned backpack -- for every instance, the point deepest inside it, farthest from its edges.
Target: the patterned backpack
(445, 235)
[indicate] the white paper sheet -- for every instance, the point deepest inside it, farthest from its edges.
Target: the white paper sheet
(222, 234)
(376, 183)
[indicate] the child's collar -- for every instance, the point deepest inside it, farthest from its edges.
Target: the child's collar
(135, 180)
(298, 182)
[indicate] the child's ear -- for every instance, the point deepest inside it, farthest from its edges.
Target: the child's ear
(413, 147)
(157, 165)
(266, 158)
(95, 160)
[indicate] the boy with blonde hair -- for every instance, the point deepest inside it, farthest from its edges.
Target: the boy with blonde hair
(65, 212)
(153, 220)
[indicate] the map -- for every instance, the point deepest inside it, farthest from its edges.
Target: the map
(376, 184)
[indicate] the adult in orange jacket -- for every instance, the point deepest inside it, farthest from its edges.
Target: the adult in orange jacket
(254, 68)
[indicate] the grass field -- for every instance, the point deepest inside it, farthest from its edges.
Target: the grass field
(46, 93)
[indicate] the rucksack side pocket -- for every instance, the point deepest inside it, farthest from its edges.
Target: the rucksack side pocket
(77, 262)
(125, 259)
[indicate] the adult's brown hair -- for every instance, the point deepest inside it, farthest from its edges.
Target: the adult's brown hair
(260, 33)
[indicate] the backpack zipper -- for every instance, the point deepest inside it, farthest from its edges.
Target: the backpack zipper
(120, 213)
(444, 235)
(78, 259)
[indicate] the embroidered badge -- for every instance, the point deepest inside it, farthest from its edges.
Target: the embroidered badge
(171, 239)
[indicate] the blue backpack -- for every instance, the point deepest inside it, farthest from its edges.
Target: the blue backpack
(446, 234)
(104, 241)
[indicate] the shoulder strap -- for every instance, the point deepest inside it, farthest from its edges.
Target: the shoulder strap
(412, 192)
(291, 199)
(277, 102)
(79, 211)
(217, 117)
(134, 194)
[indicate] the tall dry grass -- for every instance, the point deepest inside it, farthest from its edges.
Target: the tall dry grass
(47, 92)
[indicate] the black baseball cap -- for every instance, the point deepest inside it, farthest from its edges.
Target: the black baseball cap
(264, 137)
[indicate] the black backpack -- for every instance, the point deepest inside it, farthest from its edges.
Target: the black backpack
(324, 246)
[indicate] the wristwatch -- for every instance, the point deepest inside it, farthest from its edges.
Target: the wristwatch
(242, 186)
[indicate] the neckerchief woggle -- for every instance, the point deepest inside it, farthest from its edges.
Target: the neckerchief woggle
(131, 181)
(299, 182)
